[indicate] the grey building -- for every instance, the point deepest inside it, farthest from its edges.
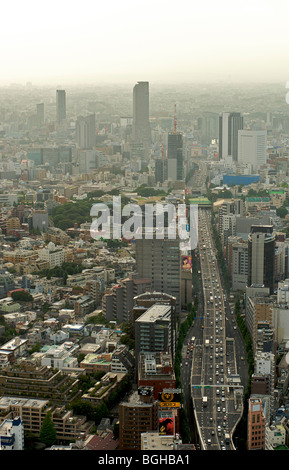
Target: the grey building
(261, 256)
(155, 331)
(159, 260)
(141, 131)
(60, 105)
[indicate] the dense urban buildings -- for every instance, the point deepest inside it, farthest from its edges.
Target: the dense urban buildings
(113, 338)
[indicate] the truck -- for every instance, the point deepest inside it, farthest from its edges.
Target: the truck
(205, 401)
(227, 438)
(207, 342)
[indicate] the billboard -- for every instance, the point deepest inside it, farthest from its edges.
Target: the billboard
(170, 399)
(186, 263)
(166, 426)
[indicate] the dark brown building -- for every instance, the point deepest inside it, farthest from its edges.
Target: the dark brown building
(139, 414)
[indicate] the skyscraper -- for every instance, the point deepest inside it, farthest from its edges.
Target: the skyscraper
(40, 113)
(86, 131)
(229, 125)
(175, 156)
(60, 105)
(261, 256)
(159, 260)
(141, 131)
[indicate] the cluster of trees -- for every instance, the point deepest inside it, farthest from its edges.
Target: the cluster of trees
(145, 191)
(65, 216)
(62, 271)
(21, 296)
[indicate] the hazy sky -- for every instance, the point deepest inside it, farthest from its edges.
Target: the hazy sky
(129, 40)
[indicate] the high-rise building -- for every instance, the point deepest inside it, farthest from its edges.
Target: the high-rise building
(40, 113)
(159, 260)
(256, 425)
(136, 416)
(229, 125)
(60, 105)
(155, 331)
(252, 147)
(86, 131)
(141, 131)
(175, 156)
(261, 256)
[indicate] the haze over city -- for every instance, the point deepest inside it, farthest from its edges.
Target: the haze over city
(160, 41)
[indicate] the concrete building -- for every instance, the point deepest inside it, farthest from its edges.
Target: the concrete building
(252, 147)
(175, 157)
(155, 331)
(156, 370)
(53, 255)
(229, 125)
(141, 131)
(137, 415)
(12, 434)
(159, 260)
(86, 131)
(258, 309)
(60, 105)
(261, 256)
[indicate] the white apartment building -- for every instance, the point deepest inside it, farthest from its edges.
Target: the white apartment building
(275, 435)
(53, 255)
(12, 434)
(252, 146)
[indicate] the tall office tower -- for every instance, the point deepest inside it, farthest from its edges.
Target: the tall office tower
(261, 256)
(159, 170)
(175, 156)
(40, 113)
(229, 125)
(86, 131)
(252, 147)
(159, 260)
(208, 127)
(60, 105)
(141, 131)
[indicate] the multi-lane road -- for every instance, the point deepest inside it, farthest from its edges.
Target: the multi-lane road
(214, 354)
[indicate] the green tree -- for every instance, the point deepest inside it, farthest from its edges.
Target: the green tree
(21, 296)
(47, 431)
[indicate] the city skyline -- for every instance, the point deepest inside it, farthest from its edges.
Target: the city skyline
(157, 41)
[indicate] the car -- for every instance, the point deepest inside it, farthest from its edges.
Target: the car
(224, 410)
(186, 364)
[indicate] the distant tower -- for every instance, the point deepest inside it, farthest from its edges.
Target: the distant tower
(86, 131)
(229, 125)
(60, 105)
(141, 131)
(175, 156)
(40, 113)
